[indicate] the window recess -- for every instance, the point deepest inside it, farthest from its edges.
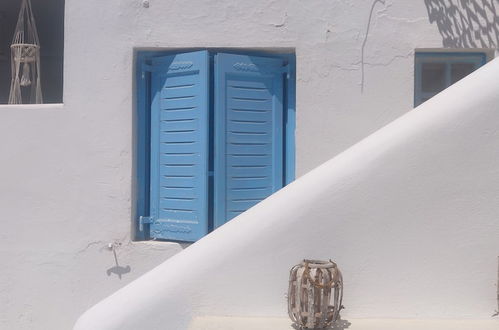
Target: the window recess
(215, 137)
(435, 71)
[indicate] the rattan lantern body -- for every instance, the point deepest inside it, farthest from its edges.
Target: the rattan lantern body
(25, 58)
(315, 294)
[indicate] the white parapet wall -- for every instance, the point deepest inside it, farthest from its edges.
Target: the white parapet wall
(410, 214)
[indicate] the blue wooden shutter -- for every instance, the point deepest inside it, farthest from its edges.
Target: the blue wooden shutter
(179, 147)
(248, 132)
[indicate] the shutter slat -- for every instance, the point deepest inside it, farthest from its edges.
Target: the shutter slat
(179, 104)
(185, 190)
(242, 204)
(175, 147)
(171, 202)
(184, 136)
(174, 125)
(169, 93)
(178, 114)
(179, 147)
(248, 128)
(245, 93)
(250, 182)
(256, 192)
(243, 136)
(178, 158)
(250, 116)
(254, 170)
(177, 181)
(245, 159)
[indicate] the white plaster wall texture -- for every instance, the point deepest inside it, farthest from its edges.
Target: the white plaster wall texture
(409, 213)
(67, 171)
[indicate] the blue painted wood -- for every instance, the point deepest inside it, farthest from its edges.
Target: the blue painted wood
(142, 145)
(290, 120)
(248, 132)
(179, 146)
(143, 124)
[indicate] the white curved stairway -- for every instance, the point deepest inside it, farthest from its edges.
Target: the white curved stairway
(410, 214)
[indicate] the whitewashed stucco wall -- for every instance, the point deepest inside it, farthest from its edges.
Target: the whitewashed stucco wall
(66, 186)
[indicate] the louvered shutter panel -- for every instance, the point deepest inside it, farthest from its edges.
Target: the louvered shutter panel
(179, 147)
(248, 132)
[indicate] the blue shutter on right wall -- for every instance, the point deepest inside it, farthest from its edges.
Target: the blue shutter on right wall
(248, 132)
(179, 147)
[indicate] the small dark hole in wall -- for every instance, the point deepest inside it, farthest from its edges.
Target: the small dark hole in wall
(49, 17)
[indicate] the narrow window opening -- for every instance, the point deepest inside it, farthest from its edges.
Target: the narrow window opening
(435, 71)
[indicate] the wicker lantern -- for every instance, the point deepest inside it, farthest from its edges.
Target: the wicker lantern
(315, 294)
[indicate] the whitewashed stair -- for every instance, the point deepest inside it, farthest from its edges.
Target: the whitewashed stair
(268, 323)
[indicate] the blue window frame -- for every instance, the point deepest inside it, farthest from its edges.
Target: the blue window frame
(214, 136)
(435, 71)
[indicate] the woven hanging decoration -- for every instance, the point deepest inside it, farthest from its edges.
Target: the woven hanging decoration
(25, 59)
(315, 294)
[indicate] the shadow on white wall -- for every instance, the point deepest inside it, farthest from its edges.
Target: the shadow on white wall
(466, 23)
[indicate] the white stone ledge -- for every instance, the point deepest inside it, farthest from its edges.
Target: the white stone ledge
(160, 244)
(19, 107)
(264, 323)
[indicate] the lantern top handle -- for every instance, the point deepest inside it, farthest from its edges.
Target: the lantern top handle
(318, 263)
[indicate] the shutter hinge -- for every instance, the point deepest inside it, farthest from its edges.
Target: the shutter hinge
(145, 68)
(143, 221)
(287, 70)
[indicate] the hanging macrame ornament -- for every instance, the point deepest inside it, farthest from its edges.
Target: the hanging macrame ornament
(25, 60)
